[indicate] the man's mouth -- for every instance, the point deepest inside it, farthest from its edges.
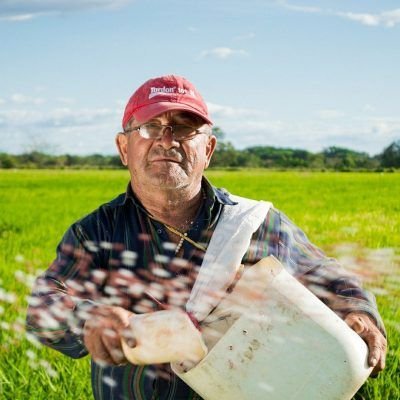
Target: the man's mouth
(165, 159)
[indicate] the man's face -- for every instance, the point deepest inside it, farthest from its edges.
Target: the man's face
(165, 162)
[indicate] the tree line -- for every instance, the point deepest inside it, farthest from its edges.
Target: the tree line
(227, 156)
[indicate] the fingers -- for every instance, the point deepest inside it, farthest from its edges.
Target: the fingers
(102, 335)
(112, 343)
(129, 337)
(376, 342)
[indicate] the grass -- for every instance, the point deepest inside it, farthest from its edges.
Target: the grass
(353, 216)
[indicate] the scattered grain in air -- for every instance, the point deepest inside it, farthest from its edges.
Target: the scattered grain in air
(109, 381)
(150, 373)
(129, 257)
(8, 297)
(32, 364)
(31, 354)
(106, 245)
(19, 275)
(180, 262)
(98, 274)
(169, 246)
(18, 327)
(112, 291)
(19, 258)
(44, 364)
(5, 326)
(47, 321)
(125, 272)
(143, 307)
(89, 286)
(121, 282)
(73, 284)
(52, 372)
(162, 259)
(161, 273)
(136, 289)
(156, 291)
(113, 301)
(91, 246)
(33, 340)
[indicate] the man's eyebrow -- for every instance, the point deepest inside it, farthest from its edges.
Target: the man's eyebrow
(153, 120)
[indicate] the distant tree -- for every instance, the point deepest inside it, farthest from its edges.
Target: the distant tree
(7, 161)
(218, 132)
(225, 154)
(275, 157)
(340, 158)
(390, 156)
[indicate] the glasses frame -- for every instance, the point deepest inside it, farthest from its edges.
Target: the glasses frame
(162, 132)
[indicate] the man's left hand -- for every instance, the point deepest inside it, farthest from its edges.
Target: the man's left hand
(364, 325)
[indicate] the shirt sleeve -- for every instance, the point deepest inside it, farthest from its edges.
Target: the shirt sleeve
(339, 289)
(62, 296)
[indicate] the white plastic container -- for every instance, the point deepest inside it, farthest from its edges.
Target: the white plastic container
(164, 336)
(275, 340)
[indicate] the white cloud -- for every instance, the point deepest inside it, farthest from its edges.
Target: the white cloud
(19, 98)
(385, 18)
(75, 130)
(222, 111)
(330, 114)
(2, 101)
(369, 108)
(19, 17)
(222, 53)
(391, 18)
(365, 19)
(66, 129)
(23, 10)
(65, 100)
(252, 127)
(305, 9)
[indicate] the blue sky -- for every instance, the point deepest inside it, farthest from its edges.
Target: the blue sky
(302, 74)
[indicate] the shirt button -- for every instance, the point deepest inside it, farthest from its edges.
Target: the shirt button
(159, 231)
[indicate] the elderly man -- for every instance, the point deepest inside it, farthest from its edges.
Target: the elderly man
(144, 249)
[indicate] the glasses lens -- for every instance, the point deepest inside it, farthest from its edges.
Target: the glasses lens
(151, 131)
(155, 131)
(182, 132)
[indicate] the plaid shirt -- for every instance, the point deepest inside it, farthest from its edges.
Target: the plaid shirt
(117, 253)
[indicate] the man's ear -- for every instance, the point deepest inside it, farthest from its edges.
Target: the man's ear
(121, 141)
(211, 145)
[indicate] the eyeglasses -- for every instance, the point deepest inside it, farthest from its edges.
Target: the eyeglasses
(156, 131)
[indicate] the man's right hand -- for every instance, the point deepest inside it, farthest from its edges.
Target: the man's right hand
(103, 331)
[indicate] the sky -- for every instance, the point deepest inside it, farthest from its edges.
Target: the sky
(302, 74)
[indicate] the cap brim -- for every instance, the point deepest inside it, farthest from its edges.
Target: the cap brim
(150, 111)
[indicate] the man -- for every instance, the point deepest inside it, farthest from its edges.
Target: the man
(143, 250)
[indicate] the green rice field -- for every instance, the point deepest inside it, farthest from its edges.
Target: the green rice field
(354, 217)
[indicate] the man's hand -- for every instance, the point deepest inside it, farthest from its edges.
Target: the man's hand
(377, 345)
(102, 334)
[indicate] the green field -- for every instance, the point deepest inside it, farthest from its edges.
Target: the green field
(352, 216)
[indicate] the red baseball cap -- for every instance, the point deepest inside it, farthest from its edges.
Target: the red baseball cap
(165, 93)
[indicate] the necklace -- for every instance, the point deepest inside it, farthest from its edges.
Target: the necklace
(183, 235)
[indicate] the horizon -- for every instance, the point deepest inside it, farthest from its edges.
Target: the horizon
(288, 74)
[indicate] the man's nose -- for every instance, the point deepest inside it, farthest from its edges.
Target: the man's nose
(167, 140)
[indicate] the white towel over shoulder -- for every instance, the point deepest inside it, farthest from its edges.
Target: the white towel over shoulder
(229, 243)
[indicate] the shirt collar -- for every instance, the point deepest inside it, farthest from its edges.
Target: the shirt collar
(212, 194)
